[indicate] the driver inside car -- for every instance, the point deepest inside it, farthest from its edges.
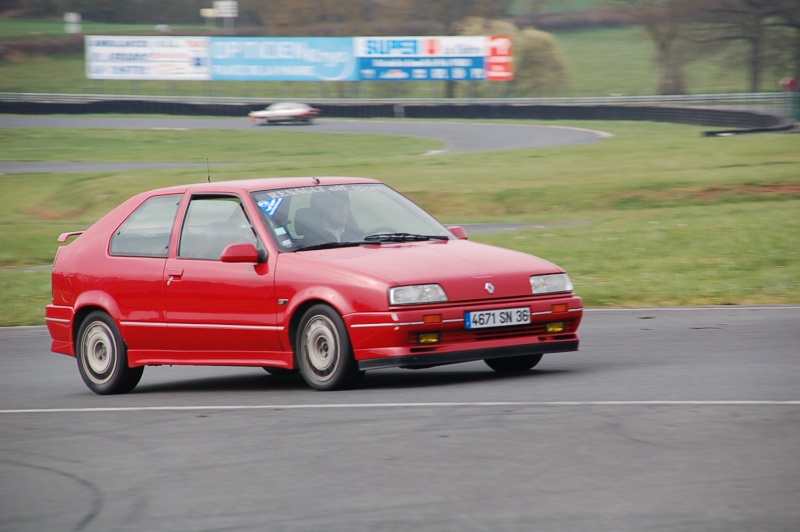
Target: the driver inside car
(330, 220)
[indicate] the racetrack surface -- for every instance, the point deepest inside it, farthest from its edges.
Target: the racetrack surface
(455, 136)
(679, 419)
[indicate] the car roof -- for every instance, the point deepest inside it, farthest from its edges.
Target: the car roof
(287, 105)
(269, 183)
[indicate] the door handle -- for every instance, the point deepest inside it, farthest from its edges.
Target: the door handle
(176, 273)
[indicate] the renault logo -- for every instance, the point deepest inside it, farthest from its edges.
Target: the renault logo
(489, 288)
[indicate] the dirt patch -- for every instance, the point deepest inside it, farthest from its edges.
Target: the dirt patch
(640, 197)
(773, 189)
(50, 215)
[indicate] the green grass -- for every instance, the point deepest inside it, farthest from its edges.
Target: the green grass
(521, 7)
(660, 214)
(729, 254)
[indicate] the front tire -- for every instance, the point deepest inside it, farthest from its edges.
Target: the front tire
(324, 353)
(511, 364)
(103, 357)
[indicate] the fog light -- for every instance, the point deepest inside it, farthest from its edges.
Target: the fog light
(432, 318)
(428, 338)
(555, 327)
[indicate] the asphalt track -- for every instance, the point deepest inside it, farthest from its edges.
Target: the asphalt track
(681, 419)
(454, 136)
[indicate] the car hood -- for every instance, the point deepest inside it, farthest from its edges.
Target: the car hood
(466, 270)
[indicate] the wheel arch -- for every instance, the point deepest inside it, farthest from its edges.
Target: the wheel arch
(80, 316)
(89, 302)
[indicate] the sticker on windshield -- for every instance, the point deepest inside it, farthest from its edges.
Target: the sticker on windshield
(270, 206)
(280, 230)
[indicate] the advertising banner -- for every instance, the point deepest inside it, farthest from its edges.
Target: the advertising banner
(283, 59)
(147, 58)
(445, 58)
(464, 58)
(499, 61)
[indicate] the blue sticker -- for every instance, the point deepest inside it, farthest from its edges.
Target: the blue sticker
(270, 206)
(280, 231)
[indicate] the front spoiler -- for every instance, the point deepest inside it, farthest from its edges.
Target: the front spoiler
(426, 360)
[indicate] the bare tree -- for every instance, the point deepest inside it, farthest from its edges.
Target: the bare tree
(665, 22)
(762, 26)
(787, 18)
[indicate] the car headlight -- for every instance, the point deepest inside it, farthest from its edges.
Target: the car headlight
(550, 284)
(416, 294)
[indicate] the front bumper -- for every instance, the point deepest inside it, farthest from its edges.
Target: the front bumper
(393, 339)
(440, 359)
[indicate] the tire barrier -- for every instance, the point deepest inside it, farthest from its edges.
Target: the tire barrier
(734, 121)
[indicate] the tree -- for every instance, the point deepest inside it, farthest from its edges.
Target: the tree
(751, 33)
(539, 66)
(665, 22)
(762, 26)
(788, 17)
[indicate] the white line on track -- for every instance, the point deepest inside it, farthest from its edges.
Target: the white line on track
(348, 406)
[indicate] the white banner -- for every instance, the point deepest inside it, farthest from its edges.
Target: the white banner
(165, 58)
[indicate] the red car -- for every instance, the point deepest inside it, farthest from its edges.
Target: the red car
(327, 276)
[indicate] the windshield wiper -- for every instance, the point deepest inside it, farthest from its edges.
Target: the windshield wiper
(334, 244)
(377, 238)
(402, 237)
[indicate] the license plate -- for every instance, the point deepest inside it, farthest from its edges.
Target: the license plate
(505, 317)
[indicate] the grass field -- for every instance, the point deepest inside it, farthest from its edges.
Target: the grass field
(658, 214)
(21, 29)
(524, 6)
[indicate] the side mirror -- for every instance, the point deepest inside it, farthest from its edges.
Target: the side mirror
(243, 252)
(458, 231)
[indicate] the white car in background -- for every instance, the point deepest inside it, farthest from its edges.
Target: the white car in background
(298, 113)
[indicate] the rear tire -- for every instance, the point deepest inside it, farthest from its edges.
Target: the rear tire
(510, 364)
(324, 353)
(103, 357)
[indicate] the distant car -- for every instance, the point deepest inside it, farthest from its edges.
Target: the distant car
(285, 112)
(327, 276)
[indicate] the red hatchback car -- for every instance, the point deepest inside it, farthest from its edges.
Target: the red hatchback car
(327, 276)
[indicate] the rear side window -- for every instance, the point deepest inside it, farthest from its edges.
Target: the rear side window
(147, 231)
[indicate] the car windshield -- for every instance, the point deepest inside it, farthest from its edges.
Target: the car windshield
(322, 217)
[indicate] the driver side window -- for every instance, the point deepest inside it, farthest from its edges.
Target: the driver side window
(211, 225)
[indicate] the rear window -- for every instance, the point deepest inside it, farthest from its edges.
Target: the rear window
(147, 231)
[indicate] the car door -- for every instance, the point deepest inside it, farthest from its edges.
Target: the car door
(217, 311)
